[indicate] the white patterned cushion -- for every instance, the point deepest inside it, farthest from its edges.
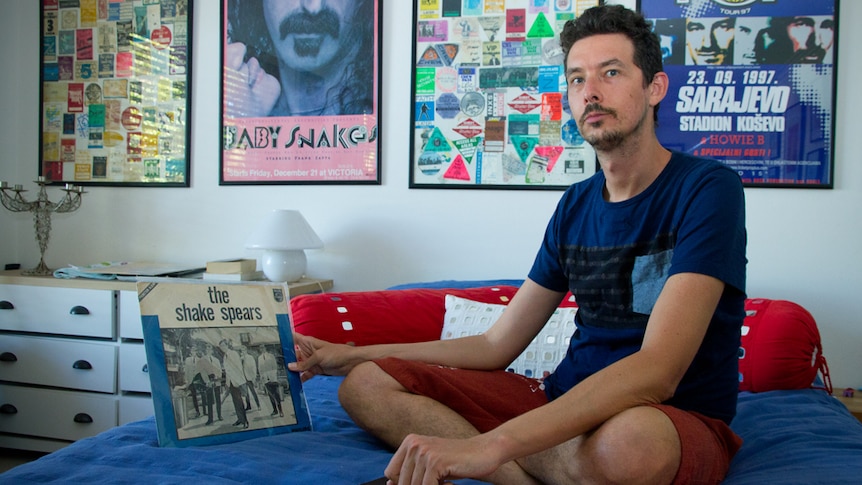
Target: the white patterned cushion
(467, 317)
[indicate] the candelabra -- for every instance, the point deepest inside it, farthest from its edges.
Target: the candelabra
(41, 208)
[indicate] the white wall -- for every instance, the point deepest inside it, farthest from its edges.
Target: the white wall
(804, 245)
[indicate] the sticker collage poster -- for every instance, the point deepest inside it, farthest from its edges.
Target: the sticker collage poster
(489, 96)
(115, 93)
(751, 84)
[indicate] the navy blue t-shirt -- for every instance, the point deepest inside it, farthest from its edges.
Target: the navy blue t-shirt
(616, 257)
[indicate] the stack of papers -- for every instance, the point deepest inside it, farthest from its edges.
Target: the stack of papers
(126, 270)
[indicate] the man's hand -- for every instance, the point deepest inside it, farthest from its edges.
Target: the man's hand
(430, 461)
(318, 357)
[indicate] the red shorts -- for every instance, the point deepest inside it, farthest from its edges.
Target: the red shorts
(488, 399)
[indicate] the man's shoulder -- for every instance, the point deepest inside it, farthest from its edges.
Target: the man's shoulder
(688, 165)
(697, 161)
(591, 183)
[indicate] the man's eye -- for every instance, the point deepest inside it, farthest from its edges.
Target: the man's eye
(612, 73)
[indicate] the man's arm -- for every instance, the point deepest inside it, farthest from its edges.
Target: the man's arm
(524, 317)
(674, 333)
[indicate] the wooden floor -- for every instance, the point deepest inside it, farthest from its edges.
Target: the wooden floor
(11, 458)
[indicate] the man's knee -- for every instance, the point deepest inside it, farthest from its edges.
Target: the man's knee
(639, 445)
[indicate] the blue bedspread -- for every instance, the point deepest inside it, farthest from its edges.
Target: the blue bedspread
(791, 437)
(335, 452)
(795, 437)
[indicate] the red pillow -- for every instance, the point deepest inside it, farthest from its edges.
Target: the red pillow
(780, 349)
(386, 316)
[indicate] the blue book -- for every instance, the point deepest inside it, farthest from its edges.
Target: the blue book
(216, 355)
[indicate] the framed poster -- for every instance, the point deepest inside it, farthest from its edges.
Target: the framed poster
(489, 96)
(752, 84)
(115, 82)
(300, 92)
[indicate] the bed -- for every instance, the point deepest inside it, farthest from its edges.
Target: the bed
(790, 436)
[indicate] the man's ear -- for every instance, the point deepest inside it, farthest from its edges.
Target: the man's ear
(658, 88)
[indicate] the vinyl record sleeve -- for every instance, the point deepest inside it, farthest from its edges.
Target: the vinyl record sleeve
(216, 357)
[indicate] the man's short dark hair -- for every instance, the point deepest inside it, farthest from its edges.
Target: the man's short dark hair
(616, 19)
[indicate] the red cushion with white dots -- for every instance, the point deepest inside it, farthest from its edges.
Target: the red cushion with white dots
(780, 348)
(386, 316)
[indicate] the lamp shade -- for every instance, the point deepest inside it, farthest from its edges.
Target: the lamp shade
(284, 230)
(284, 235)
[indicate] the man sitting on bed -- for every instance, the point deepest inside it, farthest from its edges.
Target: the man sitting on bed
(653, 248)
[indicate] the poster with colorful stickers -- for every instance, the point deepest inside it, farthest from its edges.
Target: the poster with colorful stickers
(115, 92)
(489, 96)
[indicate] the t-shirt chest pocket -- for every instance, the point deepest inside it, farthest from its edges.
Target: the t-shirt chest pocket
(648, 277)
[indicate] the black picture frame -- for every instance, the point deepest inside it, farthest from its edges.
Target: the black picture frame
(274, 133)
(489, 108)
(765, 103)
(115, 93)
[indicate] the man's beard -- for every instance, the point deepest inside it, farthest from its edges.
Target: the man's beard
(606, 140)
(317, 27)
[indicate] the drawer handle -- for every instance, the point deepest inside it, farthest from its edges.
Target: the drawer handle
(83, 418)
(8, 409)
(145, 369)
(82, 364)
(8, 357)
(79, 310)
(6, 305)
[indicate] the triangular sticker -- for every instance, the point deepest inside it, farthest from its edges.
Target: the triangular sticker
(541, 27)
(524, 145)
(467, 147)
(551, 153)
(457, 170)
(437, 142)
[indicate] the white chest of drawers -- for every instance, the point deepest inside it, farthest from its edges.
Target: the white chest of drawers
(72, 361)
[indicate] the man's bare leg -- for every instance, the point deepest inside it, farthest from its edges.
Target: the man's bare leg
(640, 445)
(383, 407)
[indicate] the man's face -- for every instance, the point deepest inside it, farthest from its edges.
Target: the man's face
(309, 34)
(606, 90)
(810, 38)
(745, 34)
(708, 40)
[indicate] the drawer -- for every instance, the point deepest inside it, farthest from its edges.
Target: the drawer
(135, 408)
(130, 316)
(58, 414)
(134, 375)
(59, 362)
(63, 311)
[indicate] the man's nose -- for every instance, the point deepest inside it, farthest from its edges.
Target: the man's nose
(312, 6)
(591, 90)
